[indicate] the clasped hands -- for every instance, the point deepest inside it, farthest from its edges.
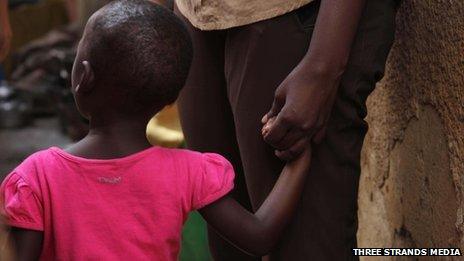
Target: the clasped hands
(300, 112)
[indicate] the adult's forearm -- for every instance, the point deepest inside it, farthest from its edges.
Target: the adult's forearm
(333, 35)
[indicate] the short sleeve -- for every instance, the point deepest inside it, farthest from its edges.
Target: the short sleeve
(215, 180)
(21, 207)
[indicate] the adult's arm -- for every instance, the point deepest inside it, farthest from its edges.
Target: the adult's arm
(305, 98)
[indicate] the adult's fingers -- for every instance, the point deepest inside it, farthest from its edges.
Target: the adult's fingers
(320, 135)
(292, 136)
(277, 131)
(294, 151)
(276, 107)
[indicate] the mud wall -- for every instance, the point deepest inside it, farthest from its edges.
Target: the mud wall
(411, 191)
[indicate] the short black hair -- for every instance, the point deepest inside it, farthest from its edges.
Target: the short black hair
(141, 48)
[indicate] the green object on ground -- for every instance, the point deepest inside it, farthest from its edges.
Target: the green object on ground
(194, 240)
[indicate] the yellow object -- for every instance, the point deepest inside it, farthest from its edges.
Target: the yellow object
(164, 128)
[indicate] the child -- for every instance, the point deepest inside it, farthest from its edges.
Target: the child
(112, 196)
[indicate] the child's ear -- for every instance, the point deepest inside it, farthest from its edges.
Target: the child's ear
(86, 82)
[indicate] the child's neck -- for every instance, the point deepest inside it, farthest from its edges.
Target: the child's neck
(112, 139)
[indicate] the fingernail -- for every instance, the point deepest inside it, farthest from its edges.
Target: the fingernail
(263, 119)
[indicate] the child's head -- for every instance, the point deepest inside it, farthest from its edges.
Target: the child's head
(133, 59)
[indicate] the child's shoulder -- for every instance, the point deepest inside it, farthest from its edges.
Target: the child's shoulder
(190, 160)
(35, 160)
(179, 152)
(192, 156)
(29, 170)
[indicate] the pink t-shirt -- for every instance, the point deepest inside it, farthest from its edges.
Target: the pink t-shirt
(130, 208)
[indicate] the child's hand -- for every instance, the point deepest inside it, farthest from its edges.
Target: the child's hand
(300, 163)
(306, 154)
(267, 126)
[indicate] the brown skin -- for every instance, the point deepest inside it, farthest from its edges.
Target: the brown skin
(115, 135)
(304, 100)
(301, 109)
(257, 233)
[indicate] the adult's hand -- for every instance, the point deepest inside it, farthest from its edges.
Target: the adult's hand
(300, 111)
(303, 101)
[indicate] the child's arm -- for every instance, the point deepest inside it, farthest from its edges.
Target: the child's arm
(27, 244)
(258, 233)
